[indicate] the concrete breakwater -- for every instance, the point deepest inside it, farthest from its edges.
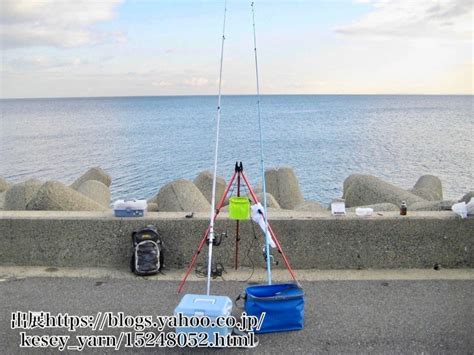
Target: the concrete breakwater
(310, 239)
(51, 224)
(91, 192)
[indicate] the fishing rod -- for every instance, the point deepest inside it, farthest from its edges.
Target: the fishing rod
(262, 164)
(216, 151)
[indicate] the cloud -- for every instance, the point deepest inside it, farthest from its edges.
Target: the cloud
(40, 63)
(408, 19)
(196, 81)
(55, 23)
(161, 83)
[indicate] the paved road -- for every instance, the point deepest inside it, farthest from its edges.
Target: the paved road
(432, 316)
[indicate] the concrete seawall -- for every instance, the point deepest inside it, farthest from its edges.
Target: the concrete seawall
(76, 239)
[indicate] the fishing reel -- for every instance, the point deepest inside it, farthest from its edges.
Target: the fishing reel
(272, 258)
(217, 239)
(217, 269)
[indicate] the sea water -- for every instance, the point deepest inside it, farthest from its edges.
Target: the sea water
(146, 142)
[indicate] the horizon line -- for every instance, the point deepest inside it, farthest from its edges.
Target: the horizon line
(213, 95)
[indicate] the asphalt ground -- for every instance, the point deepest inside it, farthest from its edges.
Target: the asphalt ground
(429, 316)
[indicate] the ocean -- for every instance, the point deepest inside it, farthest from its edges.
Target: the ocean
(146, 142)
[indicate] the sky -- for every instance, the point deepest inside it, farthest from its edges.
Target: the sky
(84, 48)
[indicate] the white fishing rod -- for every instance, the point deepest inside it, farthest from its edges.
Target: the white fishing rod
(262, 164)
(214, 177)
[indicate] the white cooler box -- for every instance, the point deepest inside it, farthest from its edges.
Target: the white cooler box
(130, 208)
(203, 305)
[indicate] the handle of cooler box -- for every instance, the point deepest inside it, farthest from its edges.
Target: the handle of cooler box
(242, 296)
(208, 300)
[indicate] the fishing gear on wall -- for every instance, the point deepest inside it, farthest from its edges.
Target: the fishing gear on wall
(217, 268)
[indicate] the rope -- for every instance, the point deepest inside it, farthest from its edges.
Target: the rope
(262, 164)
(213, 200)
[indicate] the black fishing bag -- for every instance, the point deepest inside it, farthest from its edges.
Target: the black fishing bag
(147, 251)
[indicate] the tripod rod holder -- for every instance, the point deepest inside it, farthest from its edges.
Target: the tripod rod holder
(237, 173)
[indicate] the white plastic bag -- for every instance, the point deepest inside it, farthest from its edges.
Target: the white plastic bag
(470, 207)
(364, 212)
(257, 217)
(460, 209)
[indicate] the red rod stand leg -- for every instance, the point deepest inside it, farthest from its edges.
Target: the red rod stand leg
(193, 260)
(285, 259)
(206, 233)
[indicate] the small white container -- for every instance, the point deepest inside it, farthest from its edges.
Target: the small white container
(338, 207)
(130, 208)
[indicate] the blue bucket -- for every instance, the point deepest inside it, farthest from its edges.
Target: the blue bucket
(283, 305)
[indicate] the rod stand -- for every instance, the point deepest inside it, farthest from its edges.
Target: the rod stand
(240, 175)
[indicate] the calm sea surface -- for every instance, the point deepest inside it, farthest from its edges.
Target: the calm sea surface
(145, 142)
